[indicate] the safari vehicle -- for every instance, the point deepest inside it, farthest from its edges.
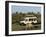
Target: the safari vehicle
(29, 19)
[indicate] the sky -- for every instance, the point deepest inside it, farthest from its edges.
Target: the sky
(23, 9)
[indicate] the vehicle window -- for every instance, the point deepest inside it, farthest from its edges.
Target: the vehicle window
(34, 19)
(30, 19)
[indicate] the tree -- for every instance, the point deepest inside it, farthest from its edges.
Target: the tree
(16, 12)
(20, 13)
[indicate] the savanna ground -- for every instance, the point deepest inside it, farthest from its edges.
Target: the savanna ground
(17, 17)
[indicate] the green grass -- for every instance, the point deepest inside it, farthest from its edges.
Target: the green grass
(18, 27)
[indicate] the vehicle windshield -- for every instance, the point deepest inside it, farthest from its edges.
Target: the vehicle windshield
(26, 19)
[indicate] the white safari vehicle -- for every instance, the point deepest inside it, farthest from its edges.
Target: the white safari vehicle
(29, 19)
